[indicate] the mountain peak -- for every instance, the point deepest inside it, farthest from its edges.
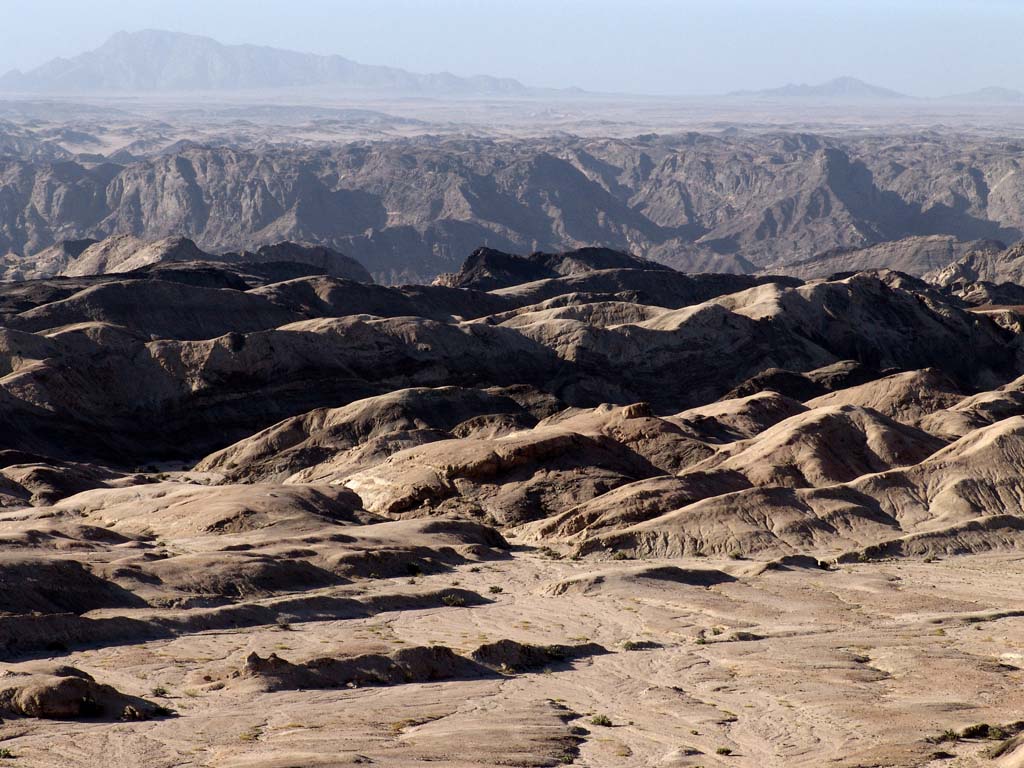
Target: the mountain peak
(844, 88)
(163, 60)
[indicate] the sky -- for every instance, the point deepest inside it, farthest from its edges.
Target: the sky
(675, 47)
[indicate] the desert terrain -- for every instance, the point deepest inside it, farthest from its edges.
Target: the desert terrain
(569, 508)
(351, 415)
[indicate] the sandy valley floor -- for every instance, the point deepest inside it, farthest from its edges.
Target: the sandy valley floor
(796, 666)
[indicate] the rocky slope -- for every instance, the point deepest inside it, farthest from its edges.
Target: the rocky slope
(411, 209)
(566, 508)
(921, 255)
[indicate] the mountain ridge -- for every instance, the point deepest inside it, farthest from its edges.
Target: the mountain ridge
(170, 61)
(844, 88)
(411, 210)
(162, 60)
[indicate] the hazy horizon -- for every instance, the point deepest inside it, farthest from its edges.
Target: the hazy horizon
(653, 47)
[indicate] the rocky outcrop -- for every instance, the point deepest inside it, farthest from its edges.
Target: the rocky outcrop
(409, 665)
(66, 693)
(126, 252)
(987, 265)
(325, 260)
(487, 269)
(920, 255)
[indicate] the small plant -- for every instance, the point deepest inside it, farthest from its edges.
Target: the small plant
(475, 569)
(717, 630)
(162, 711)
(620, 556)
(745, 636)
(602, 720)
(947, 735)
(6, 754)
(979, 731)
(723, 751)
(993, 732)
(549, 553)
(283, 624)
(454, 601)
(629, 645)
(412, 722)
(160, 691)
(253, 734)
(495, 590)
(735, 555)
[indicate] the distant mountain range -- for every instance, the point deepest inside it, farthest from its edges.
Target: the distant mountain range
(990, 96)
(156, 60)
(163, 61)
(852, 90)
(839, 89)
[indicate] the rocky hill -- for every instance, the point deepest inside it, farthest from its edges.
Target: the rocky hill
(254, 504)
(409, 210)
(922, 256)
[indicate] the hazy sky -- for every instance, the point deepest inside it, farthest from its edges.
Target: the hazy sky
(924, 47)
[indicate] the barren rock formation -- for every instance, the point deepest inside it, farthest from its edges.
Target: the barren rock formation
(989, 265)
(614, 515)
(824, 446)
(487, 269)
(411, 209)
(906, 397)
(914, 255)
(125, 253)
(63, 693)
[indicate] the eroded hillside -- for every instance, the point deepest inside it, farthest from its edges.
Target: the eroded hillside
(569, 508)
(409, 209)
